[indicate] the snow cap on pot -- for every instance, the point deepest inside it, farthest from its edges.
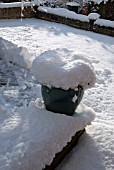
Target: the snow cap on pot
(63, 76)
(62, 68)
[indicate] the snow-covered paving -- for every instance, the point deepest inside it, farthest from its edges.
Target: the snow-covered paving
(96, 148)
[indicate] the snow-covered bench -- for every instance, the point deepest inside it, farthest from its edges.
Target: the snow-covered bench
(31, 137)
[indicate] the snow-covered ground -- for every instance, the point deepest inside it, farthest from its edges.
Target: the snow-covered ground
(95, 150)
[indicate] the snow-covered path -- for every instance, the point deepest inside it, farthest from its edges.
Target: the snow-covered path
(95, 151)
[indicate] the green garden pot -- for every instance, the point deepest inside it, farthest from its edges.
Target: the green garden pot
(61, 101)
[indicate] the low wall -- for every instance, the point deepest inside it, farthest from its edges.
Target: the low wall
(67, 21)
(103, 30)
(15, 13)
(28, 12)
(75, 23)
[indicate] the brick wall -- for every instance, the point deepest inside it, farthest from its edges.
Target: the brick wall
(75, 23)
(103, 30)
(15, 13)
(63, 20)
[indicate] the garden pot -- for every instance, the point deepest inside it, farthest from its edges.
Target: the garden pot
(61, 101)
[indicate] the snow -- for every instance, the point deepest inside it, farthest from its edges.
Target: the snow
(12, 53)
(70, 14)
(72, 4)
(74, 98)
(99, 1)
(95, 149)
(37, 135)
(103, 22)
(93, 16)
(16, 4)
(64, 12)
(61, 68)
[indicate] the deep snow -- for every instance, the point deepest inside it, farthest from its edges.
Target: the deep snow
(31, 136)
(95, 149)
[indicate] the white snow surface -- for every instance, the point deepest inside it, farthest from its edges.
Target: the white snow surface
(103, 22)
(95, 149)
(16, 4)
(12, 53)
(93, 16)
(61, 68)
(73, 4)
(32, 136)
(64, 12)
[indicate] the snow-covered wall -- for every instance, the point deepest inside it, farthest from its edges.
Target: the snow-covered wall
(76, 20)
(64, 12)
(104, 22)
(13, 5)
(61, 15)
(15, 10)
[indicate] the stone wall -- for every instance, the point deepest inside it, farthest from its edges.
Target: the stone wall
(63, 20)
(15, 13)
(75, 23)
(104, 30)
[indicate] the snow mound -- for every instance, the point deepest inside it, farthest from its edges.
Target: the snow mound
(31, 136)
(61, 68)
(73, 4)
(93, 16)
(12, 53)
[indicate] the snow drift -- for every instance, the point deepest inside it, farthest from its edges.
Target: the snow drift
(12, 53)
